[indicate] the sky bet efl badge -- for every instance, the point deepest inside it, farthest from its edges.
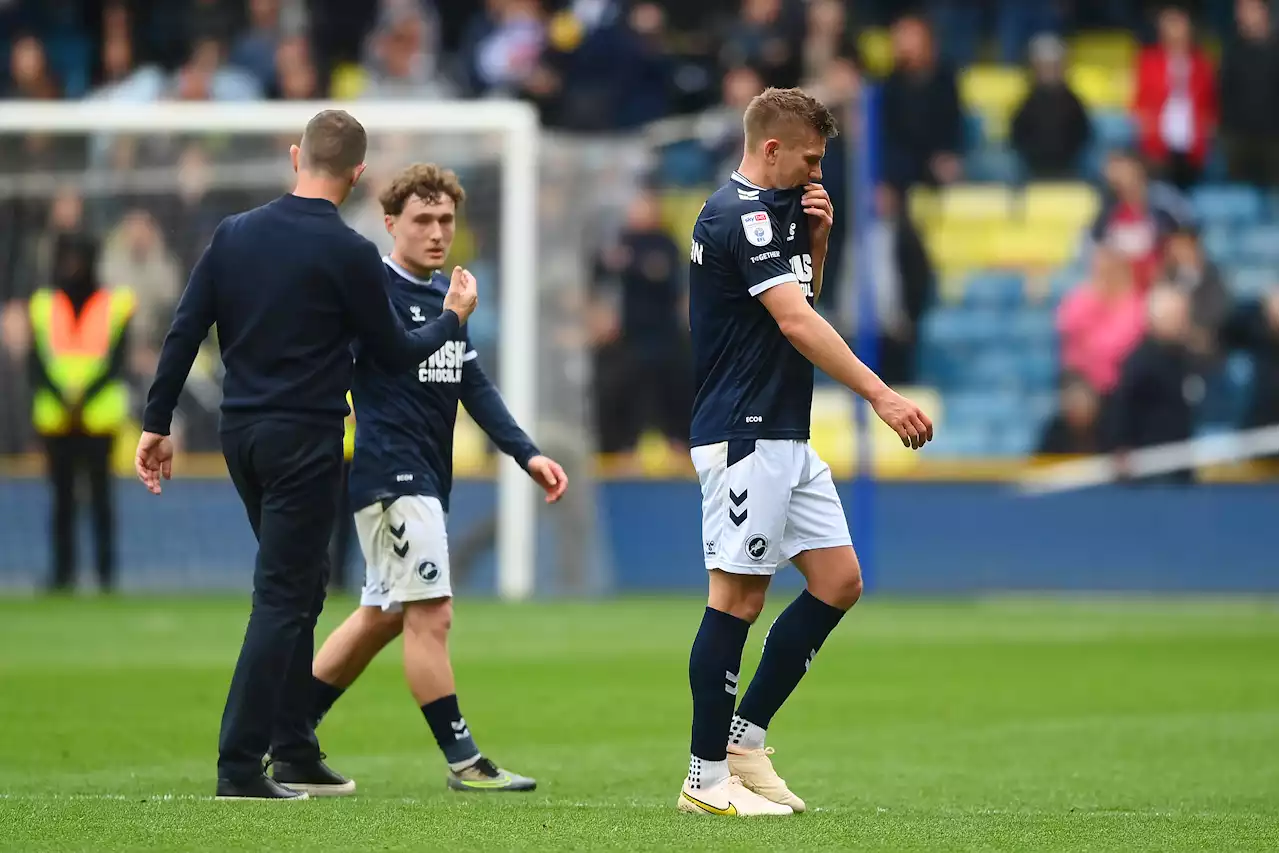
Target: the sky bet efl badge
(756, 225)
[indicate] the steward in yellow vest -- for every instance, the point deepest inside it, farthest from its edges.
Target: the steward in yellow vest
(79, 397)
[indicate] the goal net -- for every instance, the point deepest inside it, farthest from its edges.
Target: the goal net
(151, 182)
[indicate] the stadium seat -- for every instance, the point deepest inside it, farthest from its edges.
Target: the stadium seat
(1114, 50)
(1101, 88)
(1257, 246)
(680, 211)
(1001, 291)
(1039, 367)
(963, 203)
(961, 328)
(992, 89)
(1064, 205)
(959, 246)
(876, 51)
(1113, 129)
(995, 368)
(1253, 282)
(1219, 243)
(1227, 203)
(1032, 247)
(993, 163)
(1033, 327)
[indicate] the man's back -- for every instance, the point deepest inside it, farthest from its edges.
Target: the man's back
(280, 308)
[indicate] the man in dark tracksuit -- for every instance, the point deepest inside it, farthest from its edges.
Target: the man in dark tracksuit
(289, 286)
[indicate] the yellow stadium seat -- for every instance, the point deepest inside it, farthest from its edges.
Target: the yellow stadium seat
(994, 89)
(679, 211)
(975, 203)
(1100, 87)
(833, 433)
(1032, 247)
(1109, 49)
(955, 246)
(924, 205)
(876, 50)
(347, 82)
(1065, 205)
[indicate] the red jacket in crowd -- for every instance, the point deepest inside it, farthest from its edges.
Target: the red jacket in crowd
(1153, 89)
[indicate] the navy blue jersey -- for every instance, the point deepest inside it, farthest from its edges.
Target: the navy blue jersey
(405, 416)
(751, 382)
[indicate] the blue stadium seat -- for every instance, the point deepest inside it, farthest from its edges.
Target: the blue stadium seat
(996, 368)
(686, 164)
(1258, 245)
(1039, 367)
(1252, 282)
(962, 328)
(1227, 203)
(1001, 291)
(1113, 129)
(1033, 327)
(991, 164)
(975, 134)
(1016, 438)
(1219, 243)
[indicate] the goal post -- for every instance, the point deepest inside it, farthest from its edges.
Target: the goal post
(517, 261)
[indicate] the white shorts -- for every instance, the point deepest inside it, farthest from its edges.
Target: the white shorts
(763, 502)
(406, 552)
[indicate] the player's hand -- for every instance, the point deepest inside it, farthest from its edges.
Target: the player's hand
(817, 204)
(461, 298)
(153, 460)
(905, 418)
(547, 473)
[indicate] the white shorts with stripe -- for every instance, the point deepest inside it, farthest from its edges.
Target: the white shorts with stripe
(406, 551)
(765, 501)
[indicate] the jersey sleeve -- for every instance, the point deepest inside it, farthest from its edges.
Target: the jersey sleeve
(755, 243)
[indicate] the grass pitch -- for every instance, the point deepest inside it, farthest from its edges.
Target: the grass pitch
(1014, 724)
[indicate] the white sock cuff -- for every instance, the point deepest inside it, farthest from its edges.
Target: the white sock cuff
(706, 774)
(746, 734)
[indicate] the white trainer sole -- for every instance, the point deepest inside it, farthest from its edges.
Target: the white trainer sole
(346, 789)
(302, 796)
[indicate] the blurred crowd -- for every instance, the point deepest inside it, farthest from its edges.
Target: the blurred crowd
(1141, 336)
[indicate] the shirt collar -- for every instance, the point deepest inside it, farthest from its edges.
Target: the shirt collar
(404, 273)
(740, 178)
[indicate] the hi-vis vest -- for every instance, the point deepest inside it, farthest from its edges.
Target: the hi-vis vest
(349, 431)
(76, 351)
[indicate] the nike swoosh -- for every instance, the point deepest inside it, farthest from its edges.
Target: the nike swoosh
(731, 811)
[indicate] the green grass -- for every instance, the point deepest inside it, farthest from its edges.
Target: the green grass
(1004, 724)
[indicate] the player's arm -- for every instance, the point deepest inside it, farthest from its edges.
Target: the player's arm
(376, 324)
(817, 205)
(481, 399)
(817, 341)
(191, 321)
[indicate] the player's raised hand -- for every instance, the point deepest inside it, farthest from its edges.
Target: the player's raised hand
(905, 418)
(461, 298)
(154, 460)
(546, 472)
(817, 204)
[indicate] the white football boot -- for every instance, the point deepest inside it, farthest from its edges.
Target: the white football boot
(755, 769)
(727, 799)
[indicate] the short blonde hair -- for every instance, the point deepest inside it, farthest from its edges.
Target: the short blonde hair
(773, 110)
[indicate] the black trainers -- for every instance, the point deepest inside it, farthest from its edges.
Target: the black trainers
(260, 787)
(313, 777)
(484, 775)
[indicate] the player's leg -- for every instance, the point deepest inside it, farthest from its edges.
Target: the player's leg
(817, 541)
(742, 522)
(348, 651)
(419, 582)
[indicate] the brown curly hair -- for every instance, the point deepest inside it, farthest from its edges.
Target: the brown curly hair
(427, 181)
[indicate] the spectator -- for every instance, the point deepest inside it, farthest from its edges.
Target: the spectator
(606, 69)
(1249, 92)
(827, 38)
(255, 49)
(1101, 321)
(1134, 220)
(1251, 329)
(1050, 129)
(401, 59)
(1074, 429)
(1155, 399)
(295, 73)
(1188, 270)
(503, 49)
(117, 53)
(644, 374)
(767, 36)
(135, 256)
(902, 278)
(205, 77)
(30, 78)
(1176, 101)
(721, 128)
(920, 112)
